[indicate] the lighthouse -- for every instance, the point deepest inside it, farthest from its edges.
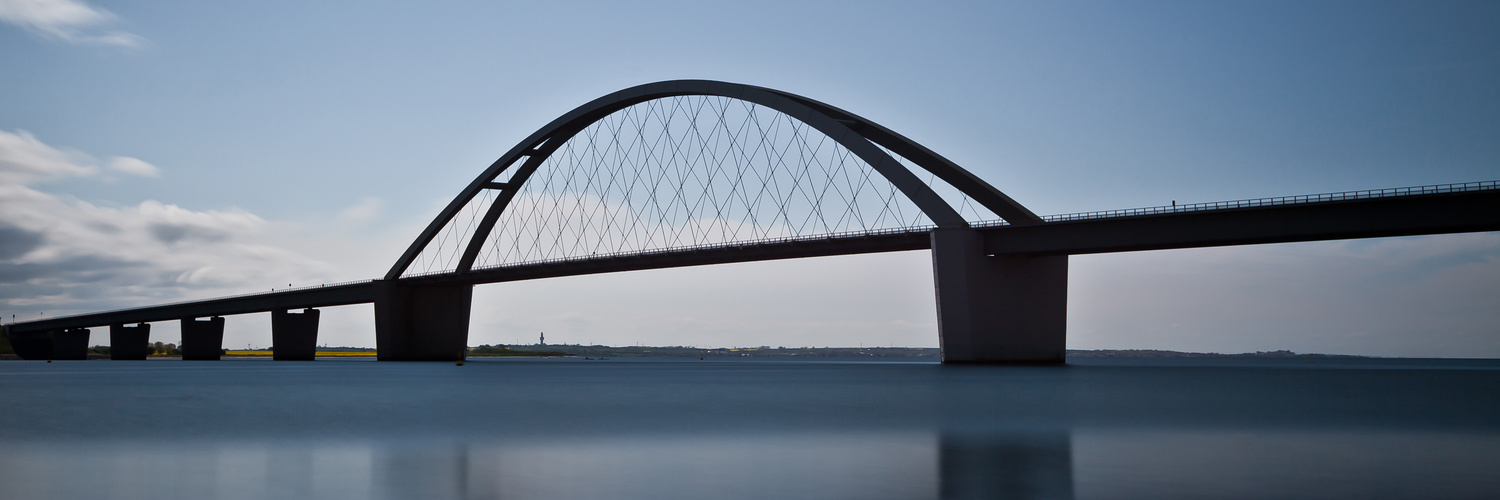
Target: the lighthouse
(542, 340)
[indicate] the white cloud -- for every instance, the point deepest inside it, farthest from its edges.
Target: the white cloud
(365, 211)
(24, 160)
(133, 166)
(66, 20)
(62, 254)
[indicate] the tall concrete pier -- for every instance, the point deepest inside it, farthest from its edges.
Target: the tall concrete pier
(71, 343)
(294, 336)
(421, 323)
(998, 309)
(129, 342)
(202, 340)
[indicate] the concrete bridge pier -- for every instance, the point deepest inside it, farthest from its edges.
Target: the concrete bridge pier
(27, 346)
(69, 344)
(31, 345)
(998, 309)
(202, 340)
(421, 323)
(129, 342)
(294, 336)
(72, 343)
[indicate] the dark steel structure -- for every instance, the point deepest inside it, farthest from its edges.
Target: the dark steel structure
(1001, 286)
(852, 131)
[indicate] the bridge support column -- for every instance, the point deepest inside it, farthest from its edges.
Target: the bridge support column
(29, 345)
(202, 340)
(129, 342)
(72, 343)
(294, 336)
(421, 323)
(998, 309)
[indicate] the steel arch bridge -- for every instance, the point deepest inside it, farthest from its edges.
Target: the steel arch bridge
(694, 127)
(690, 172)
(696, 172)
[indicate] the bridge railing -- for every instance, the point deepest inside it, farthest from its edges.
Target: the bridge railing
(273, 291)
(1266, 202)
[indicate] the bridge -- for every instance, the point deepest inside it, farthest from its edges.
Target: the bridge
(693, 172)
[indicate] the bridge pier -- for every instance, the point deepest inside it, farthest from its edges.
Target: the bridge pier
(70, 344)
(421, 323)
(129, 342)
(998, 309)
(30, 345)
(294, 337)
(202, 340)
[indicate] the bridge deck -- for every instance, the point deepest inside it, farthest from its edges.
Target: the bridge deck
(359, 292)
(1453, 208)
(1249, 224)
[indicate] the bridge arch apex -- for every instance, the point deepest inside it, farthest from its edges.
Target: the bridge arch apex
(861, 137)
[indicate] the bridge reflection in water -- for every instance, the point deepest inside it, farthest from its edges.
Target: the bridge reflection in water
(1372, 428)
(1105, 463)
(794, 465)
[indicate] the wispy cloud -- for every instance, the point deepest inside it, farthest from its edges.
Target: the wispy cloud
(133, 166)
(68, 21)
(26, 160)
(365, 211)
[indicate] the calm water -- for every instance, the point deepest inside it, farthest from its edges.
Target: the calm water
(561, 428)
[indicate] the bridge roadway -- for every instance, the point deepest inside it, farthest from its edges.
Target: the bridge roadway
(1458, 208)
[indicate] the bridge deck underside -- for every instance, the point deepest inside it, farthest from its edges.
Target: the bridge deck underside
(1471, 211)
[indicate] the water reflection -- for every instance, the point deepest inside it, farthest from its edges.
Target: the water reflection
(1030, 465)
(865, 465)
(747, 466)
(1286, 464)
(413, 472)
(1024, 465)
(521, 430)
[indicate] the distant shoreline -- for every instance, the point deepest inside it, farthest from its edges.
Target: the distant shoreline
(601, 351)
(594, 351)
(1157, 353)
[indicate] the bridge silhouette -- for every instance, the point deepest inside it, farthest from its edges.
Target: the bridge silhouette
(692, 172)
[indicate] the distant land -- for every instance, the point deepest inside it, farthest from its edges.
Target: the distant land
(601, 351)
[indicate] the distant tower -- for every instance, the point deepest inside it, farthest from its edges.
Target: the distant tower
(543, 340)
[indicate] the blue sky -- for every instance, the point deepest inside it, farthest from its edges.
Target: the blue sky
(310, 143)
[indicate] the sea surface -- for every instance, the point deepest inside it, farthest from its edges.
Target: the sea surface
(677, 428)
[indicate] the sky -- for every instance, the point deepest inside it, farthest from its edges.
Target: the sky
(162, 151)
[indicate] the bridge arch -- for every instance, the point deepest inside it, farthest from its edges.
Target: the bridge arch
(869, 142)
